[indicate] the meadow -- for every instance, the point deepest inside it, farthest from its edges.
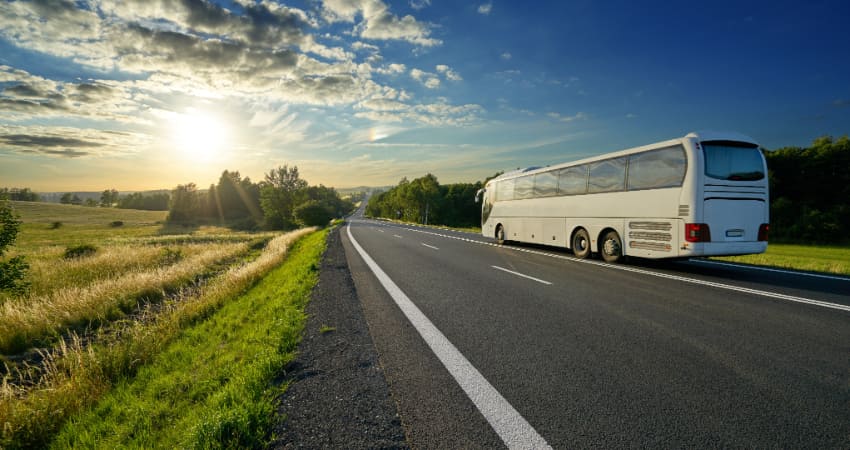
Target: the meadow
(111, 291)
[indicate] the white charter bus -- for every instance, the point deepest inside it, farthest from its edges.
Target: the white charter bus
(699, 195)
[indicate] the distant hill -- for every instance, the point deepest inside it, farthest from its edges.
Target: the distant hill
(41, 212)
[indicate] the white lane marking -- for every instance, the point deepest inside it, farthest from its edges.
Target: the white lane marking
(508, 423)
(521, 275)
(775, 295)
(380, 230)
(397, 236)
(430, 246)
(768, 269)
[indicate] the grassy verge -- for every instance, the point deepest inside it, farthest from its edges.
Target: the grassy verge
(811, 258)
(209, 388)
(75, 376)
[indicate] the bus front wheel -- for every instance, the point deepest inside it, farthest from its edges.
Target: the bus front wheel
(612, 247)
(581, 244)
(500, 235)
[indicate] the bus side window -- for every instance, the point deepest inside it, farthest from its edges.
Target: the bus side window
(572, 180)
(545, 184)
(657, 168)
(607, 176)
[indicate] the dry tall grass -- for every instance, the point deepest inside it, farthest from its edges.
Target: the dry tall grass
(30, 320)
(76, 375)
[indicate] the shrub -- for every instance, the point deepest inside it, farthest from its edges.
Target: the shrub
(80, 251)
(55, 225)
(12, 271)
(117, 223)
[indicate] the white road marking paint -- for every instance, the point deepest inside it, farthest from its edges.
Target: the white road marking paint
(430, 246)
(775, 295)
(521, 275)
(508, 423)
(397, 236)
(768, 269)
(380, 230)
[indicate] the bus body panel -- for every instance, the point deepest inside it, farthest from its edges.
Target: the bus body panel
(650, 222)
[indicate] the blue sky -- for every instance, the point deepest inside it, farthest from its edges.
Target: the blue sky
(146, 94)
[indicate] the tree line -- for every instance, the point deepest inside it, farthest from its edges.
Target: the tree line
(282, 201)
(809, 191)
(425, 200)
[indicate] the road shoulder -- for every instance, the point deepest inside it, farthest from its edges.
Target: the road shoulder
(338, 396)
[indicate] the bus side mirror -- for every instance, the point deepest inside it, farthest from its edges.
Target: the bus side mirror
(478, 195)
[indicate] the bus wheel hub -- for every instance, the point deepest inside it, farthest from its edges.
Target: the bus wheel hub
(611, 247)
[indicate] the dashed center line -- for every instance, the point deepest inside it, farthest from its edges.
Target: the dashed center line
(397, 236)
(521, 275)
(430, 246)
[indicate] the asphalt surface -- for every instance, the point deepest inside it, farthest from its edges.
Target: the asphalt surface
(646, 354)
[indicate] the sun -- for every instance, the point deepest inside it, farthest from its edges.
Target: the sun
(199, 135)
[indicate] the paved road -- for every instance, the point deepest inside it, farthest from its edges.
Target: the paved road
(584, 354)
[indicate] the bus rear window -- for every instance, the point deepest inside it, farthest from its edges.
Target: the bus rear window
(733, 161)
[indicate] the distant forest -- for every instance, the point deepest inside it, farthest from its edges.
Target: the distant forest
(282, 201)
(809, 190)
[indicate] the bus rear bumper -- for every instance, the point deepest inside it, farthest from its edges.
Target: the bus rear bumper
(724, 249)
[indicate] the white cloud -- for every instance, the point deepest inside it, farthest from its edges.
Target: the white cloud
(392, 69)
(419, 4)
(428, 79)
(378, 22)
(486, 8)
(506, 56)
(449, 73)
(559, 117)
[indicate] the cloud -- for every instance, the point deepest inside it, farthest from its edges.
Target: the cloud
(378, 23)
(506, 56)
(65, 141)
(419, 4)
(560, 118)
(427, 79)
(392, 69)
(449, 73)
(485, 9)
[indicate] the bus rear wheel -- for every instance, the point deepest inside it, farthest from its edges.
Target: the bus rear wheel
(581, 244)
(500, 235)
(612, 247)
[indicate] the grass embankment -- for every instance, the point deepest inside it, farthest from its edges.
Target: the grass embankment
(211, 386)
(835, 260)
(127, 300)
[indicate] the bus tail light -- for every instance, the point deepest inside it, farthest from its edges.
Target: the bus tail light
(697, 232)
(763, 230)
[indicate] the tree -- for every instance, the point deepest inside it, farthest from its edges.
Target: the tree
(13, 270)
(65, 199)
(184, 203)
(279, 195)
(108, 198)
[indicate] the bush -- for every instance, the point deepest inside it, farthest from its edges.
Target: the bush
(116, 224)
(55, 225)
(314, 213)
(80, 251)
(12, 271)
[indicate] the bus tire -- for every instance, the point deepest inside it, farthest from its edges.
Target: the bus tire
(611, 247)
(500, 235)
(581, 244)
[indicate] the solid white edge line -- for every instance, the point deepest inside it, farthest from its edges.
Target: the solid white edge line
(430, 246)
(508, 423)
(769, 269)
(521, 275)
(775, 295)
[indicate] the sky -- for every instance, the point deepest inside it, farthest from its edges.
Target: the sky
(148, 94)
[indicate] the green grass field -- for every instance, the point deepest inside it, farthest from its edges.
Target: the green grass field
(91, 325)
(835, 260)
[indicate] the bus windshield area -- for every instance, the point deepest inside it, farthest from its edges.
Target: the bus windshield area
(733, 161)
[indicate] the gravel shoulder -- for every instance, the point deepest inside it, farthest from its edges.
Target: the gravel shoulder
(338, 395)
